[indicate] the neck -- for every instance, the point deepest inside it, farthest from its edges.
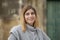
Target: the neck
(31, 25)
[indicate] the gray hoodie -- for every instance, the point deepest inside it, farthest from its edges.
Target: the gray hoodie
(31, 33)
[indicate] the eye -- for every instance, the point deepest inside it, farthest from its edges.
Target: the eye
(32, 13)
(26, 13)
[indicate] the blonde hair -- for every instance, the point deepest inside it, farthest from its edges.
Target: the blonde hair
(22, 21)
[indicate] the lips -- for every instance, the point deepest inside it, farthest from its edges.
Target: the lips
(31, 19)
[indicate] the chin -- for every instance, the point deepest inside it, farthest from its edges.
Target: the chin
(31, 22)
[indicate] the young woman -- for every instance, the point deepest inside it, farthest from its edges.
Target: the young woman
(29, 28)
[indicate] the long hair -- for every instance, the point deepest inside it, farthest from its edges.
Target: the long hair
(22, 20)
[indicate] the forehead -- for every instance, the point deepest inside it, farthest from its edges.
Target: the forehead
(30, 10)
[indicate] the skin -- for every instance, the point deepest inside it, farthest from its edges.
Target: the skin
(30, 17)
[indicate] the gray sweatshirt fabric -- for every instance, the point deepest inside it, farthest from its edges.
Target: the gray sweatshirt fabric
(31, 33)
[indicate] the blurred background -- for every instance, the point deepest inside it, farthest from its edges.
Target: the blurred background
(48, 10)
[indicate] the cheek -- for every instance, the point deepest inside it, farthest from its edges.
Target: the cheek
(25, 18)
(34, 17)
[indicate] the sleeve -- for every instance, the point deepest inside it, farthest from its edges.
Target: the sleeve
(13, 34)
(45, 37)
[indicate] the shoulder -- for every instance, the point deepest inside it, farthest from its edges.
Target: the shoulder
(44, 35)
(15, 32)
(38, 29)
(15, 28)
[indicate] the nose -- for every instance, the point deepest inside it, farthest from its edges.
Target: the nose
(30, 15)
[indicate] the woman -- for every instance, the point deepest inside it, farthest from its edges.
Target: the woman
(29, 27)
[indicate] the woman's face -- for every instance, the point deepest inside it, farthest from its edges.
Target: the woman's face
(30, 16)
